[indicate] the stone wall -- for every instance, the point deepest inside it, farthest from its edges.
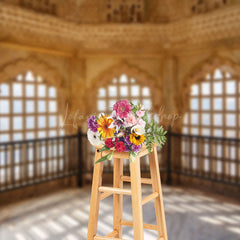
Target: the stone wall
(169, 76)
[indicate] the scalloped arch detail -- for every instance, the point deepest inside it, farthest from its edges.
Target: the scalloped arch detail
(49, 74)
(197, 74)
(11, 70)
(142, 77)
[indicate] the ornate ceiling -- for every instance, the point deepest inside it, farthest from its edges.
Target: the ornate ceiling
(23, 26)
(122, 11)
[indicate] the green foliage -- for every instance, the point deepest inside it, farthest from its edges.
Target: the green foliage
(154, 134)
(104, 148)
(135, 108)
(107, 157)
(132, 156)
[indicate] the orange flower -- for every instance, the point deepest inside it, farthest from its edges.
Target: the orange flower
(104, 130)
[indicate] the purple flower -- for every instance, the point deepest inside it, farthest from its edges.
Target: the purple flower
(136, 148)
(126, 148)
(92, 123)
(127, 140)
(118, 122)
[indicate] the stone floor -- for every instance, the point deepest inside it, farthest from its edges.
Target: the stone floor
(190, 215)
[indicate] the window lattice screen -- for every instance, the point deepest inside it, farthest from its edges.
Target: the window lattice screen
(28, 109)
(214, 111)
(214, 106)
(127, 88)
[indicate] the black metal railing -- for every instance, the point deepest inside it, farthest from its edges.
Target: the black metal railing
(28, 162)
(205, 157)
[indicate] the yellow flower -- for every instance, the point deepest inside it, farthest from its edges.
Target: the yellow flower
(137, 139)
(103, 129)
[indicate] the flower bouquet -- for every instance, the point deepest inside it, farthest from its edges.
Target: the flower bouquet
(126, 130)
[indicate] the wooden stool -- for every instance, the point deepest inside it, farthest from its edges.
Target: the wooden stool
(99, 192)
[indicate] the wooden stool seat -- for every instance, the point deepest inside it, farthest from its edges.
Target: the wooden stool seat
(100, 192)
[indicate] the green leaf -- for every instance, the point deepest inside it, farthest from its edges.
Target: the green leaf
(104, 148)
(107, 157)
(145, 117)
(132, 156)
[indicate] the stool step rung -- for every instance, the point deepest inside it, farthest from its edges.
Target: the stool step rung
(105, 195)
(145, 225)
(115, 190)
(150, 197)
(112, 234)
(143, 180)
(106, 238)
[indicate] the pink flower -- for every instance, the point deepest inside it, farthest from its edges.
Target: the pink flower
(141, 122)
(140, 113)
(122, 108)
(130, 120)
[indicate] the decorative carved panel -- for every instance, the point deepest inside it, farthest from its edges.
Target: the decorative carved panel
(203, 6)
(43, 6)
(124, 11)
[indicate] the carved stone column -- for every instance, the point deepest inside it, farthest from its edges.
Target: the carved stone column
(76, 105)
(171, 118)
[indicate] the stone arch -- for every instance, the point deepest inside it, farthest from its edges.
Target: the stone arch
(142, 77)
(9, 71)
(197, 75)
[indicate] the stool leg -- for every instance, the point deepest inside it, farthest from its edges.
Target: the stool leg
(136, 199)
(117, 198)
(156, 185)
(94, 207)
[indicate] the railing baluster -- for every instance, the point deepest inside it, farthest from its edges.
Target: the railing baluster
(190, 154)
(58, 159)
(215, 159)
(69, 156)
(47, 159)
(20, 165)
(40, 159)
(223, 162)
(13, 165)
(229, 160)
(237, 163)
(64, 156)
(35, 162)
(211, 157)
(6, 165)
(52, 158)
(27, 162)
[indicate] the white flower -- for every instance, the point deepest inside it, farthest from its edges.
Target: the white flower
(101, 115)
(94, 138)
(142, 107)
(114, 114)
(141, 122)
(138, 129)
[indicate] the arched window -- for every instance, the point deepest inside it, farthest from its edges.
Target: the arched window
(28, 109)
(123, 87)
(214, 106)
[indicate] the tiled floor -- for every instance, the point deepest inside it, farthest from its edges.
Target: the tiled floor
(190, 215)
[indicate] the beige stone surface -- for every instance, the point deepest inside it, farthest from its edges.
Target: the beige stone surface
(76, 49)
(190, 215)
